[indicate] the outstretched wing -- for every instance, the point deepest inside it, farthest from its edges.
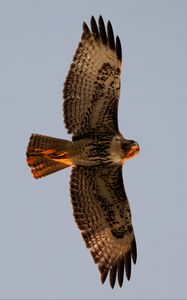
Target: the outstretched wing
(102, 213)
(92, 87)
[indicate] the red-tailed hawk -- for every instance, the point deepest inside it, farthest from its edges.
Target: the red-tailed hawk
(96, 153)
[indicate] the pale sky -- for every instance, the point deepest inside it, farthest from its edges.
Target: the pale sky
(42, 254)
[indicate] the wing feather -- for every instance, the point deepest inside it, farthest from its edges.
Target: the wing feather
(111, 36)
(121, 266)
(102, 31)
(92, 87)
(102, 213)
(113, 273)
(118, 48)
(94, 28)
(127, 259)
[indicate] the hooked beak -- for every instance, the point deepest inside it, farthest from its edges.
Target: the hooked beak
(133, 150)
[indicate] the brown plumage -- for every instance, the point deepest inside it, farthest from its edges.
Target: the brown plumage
(92, 87)
(97, 152)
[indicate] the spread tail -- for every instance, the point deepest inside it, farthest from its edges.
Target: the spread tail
(46, 155)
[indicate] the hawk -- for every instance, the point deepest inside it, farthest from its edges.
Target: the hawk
(96, 153)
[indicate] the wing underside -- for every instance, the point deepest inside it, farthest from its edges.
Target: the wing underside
(92, 87)
(102, 213)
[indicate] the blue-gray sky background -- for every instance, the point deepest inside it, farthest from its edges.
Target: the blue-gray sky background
(42, 254)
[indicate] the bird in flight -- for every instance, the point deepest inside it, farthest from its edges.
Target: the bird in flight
(96, 153)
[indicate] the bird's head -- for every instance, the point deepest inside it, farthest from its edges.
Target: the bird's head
(130, 148)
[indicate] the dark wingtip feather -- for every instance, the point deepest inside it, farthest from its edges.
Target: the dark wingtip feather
(113, 275)
(104, 275)
(102, 31)
(94, 27)
(85, 27)
(121, 263)
(134, 251)
(110, 32)
(118, 48)
(106, 37)
(128, 265)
